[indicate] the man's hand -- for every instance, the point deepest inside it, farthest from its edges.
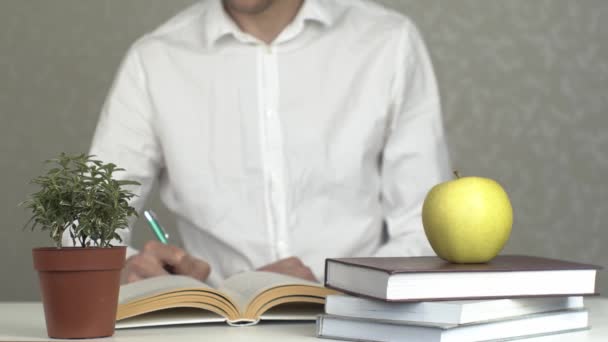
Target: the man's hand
(157, 259)
(292, 266)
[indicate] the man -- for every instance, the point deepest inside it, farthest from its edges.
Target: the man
(282, 132)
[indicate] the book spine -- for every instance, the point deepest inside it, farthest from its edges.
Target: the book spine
(242, 322)
(325, 272)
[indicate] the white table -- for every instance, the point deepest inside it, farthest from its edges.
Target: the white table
(25, 322)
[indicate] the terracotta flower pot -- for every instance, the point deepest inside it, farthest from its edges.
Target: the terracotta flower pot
(79, 289)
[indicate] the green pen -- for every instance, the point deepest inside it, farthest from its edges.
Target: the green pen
(158, 230)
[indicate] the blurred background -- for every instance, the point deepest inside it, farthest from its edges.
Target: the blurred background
(525, 97)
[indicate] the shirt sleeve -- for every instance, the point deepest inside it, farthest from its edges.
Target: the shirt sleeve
(415, 156)
(125, 134)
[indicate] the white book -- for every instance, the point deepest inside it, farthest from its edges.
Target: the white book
(243, 299)
(447, 312)
(354, 329)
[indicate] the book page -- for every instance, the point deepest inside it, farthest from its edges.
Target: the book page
(175, 316)
(173, 291)
(248, 285)
(151, 286)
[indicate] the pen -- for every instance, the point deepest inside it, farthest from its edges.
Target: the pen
(157, 229)
(160, 233)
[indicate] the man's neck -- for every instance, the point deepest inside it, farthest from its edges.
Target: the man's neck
(267, 25)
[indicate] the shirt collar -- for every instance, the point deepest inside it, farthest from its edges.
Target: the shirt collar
(217, 22)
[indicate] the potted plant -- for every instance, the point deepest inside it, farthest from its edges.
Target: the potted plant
(80, 197)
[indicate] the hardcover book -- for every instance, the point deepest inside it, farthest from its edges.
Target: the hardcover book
(447, 312)
(432, 279)
(347, 328)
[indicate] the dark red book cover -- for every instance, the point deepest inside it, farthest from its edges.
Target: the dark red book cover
(503, 263)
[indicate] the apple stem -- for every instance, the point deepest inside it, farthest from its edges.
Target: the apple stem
(457, 174)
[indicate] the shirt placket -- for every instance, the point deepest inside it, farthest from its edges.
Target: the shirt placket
(272, 152)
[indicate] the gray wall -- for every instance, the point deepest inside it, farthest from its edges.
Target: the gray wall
(524, 85)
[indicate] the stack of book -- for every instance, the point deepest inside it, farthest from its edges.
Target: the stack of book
(428, 299)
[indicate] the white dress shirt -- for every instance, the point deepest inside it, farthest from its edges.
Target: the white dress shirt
(306, 147)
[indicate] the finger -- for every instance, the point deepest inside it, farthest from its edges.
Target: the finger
(302, 273)
(295, 261)
(167, 254)
(133, 277)
(290, 262)
(146, 265)
(308, 275)
(265, 268)
(283, 265)
(201, 269)
(126, 276)
(276, 268)
(291, 265)
(193, 267)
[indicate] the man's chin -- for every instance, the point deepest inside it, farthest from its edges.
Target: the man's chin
(250, 7)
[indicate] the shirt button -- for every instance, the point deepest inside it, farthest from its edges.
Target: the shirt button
(270, 113)
(275, 177)
(282, 245)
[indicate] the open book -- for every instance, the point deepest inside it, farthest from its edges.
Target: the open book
(243, 299)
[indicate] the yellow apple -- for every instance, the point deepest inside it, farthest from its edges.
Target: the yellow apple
(468, 219)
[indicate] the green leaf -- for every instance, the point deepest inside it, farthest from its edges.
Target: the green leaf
(127, 182)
